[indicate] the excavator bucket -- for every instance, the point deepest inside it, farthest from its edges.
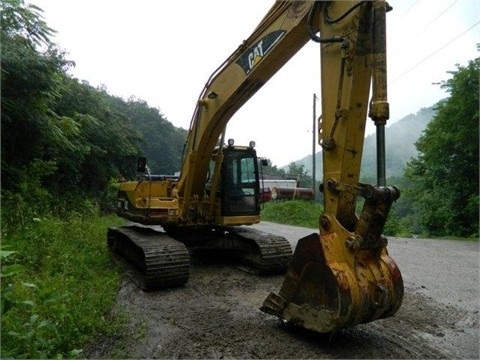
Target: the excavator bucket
(333, 284)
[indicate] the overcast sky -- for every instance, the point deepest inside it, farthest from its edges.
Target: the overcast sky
(164, 51)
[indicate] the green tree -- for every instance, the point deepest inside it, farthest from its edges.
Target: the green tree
(62, 138)
(162, 143)
(106, 143)
(298, 171)
(58, 135)
(29, 81)
(272, 170)
(445, 174)
(25, 21)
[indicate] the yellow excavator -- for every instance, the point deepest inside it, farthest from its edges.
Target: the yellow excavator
(338, 277)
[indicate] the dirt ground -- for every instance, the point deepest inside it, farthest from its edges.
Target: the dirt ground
(216, 314)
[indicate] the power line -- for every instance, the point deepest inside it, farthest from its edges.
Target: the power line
(410, 8)
(434, 53)
(424, 28)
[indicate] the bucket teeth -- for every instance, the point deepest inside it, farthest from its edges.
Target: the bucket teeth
(274, 304)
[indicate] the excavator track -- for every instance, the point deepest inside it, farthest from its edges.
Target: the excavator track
(156, 259)
(274, 252)
(267, 254)
(153, 259)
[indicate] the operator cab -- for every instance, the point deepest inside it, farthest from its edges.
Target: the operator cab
(239, 180)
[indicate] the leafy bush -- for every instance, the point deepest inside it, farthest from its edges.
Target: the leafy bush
(52, 310)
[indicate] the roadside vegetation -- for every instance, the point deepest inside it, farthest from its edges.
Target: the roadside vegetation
(292, 212)
(306, 214)
(58, 283)
(64, 146)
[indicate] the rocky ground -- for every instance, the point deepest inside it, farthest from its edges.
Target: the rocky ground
(216, 314)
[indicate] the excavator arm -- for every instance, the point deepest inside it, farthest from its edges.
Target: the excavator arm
(344, 275)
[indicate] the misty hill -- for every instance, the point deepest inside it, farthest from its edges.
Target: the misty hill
(400, 138)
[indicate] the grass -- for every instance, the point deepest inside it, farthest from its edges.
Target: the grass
(292, 212)
(307, 214)
(63, 295)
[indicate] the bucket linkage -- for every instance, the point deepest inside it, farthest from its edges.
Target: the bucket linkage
(339, 278)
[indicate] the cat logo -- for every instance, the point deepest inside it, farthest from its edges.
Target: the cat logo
(250, 58)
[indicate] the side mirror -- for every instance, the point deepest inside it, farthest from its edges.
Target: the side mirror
(264, 162)
(142, 164)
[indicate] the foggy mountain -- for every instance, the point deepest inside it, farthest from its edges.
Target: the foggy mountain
(400, 138)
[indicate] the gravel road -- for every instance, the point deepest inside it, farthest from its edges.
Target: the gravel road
(216, 314)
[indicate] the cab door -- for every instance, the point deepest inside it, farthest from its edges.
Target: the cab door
(240, 185)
